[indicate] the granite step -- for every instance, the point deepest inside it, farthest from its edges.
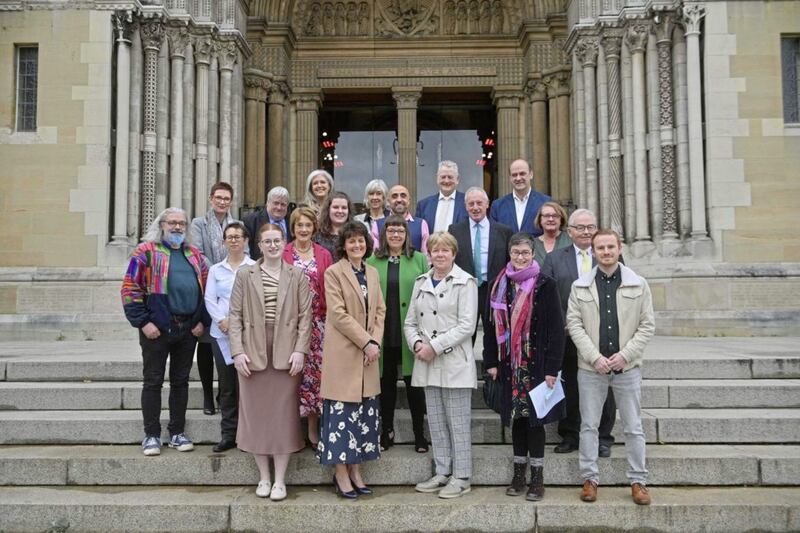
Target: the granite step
(125, 508)
(400, 465)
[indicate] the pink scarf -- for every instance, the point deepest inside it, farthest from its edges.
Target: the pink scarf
(513, 332)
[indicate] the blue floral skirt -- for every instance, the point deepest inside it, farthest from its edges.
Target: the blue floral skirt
(349, 432)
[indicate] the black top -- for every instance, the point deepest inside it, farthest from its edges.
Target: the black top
(609, 321)
(361, 277)
(392, 332)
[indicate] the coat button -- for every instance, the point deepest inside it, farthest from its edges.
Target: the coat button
(421, 313)
(403, 304)
(434, 312)
(441, 296)
(434, 333)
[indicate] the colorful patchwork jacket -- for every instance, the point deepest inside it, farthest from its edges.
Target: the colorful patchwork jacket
(145, 285)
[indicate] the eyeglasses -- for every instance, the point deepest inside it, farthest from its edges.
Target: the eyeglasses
(273, 242)
(175, 223)
(395, 231)
(581, 228)
(520, 253)
(551, 216)
(222, 199)
(234, 238)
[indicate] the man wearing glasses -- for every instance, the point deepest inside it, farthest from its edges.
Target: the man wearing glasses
(565, 265)
(276, 211)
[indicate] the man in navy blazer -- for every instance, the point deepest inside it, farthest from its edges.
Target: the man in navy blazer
(565, 265)
(493, 253)
(447, 206)
(518, 210)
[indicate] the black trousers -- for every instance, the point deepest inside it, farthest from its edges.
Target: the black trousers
(483, 312)
(178, 344)
(228, 395)
(392, 357)
(205, 367)
(570, 427)
(527, 440)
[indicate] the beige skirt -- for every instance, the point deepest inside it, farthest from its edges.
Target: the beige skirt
(269, 415)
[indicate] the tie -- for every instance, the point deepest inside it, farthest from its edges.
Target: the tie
(586, 263)
(476, 254)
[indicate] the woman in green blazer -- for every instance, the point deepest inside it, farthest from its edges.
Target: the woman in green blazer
(398, 266)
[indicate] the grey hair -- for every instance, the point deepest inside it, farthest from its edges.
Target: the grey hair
(154, 232)
(309, 198)
(377, 185)
(578, 212)
(447, 164)
(476, 189)
(520, 238)
(277, 192)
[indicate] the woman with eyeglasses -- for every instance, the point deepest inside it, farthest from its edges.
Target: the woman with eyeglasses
(398, 266)
(552, 219)
(525, 348)
(270, 331)
(337, 210)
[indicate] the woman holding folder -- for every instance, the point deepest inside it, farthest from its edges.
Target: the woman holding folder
(526, 350)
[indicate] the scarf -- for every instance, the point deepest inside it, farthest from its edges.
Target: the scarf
(513, 331)
(215, 234)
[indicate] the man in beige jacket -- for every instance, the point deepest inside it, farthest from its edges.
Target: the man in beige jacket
(610, 320)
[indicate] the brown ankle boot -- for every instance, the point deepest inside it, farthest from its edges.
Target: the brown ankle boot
(518, 482)
(536, 488)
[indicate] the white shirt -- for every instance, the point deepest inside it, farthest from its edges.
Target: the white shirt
(520, 204)
(444, 212)
(218, 292)
(579, 257)
(484, 224)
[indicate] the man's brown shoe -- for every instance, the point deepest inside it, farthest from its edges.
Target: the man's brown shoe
(641, 496)
(589, 491)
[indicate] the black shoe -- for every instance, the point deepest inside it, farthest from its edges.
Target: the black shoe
(420, 444)
(566, 447)
(350, 495)
(387, 440)
(208, 405)
(604, 451)
(366, 491)
(224, 445)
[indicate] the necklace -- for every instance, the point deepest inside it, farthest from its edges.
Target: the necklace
(302, 251)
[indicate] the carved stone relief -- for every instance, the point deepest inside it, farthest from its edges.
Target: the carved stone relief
(335, 19)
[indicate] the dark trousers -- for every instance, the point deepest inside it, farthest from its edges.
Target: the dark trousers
(527, 440)
(228, 395)
(483, 313)
(570, 427)
(205, 367)
(178, 344)
(392, 358)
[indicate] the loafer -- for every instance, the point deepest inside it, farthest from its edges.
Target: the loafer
(640, 494)
(455, 488)
(566, 447)
(433, 484)
(224, 445)
(263, 489)
(604, 451)
(277, 493)
(589, 491)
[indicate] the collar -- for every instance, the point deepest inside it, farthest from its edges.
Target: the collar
(629, 278)
(577, 252)
(443, 197)
(524, 198)
(247, 262)
(484, 223)
(603, 275)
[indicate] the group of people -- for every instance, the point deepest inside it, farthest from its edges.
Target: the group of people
(316, 312)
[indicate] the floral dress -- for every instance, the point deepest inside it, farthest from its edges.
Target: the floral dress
(310, 400)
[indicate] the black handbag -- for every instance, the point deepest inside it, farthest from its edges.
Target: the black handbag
(491, 393)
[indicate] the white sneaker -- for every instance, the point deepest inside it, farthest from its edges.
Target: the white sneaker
(263, 489)
(455, 488)
(433, 484)
(277, 493)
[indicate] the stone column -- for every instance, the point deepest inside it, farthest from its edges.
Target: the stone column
(580, 134)
(587, 55)
(612, 46)
(692, 18)
(602, 141)
(406, 100)
(539, 150)
(506, 100)
(256, 87)
(681, 133)
(665, 85)
(122, 27)
(151, 32)
(227, 59)
(275, 157)
(628, 160)
(187, 178)
(552, 135)
(202, 61)
(162, 128)
(213, 121)
(636, 39)
(561, 186)
(178, 39)
(134, 152)
(653, 139)
(237, 134)
(295, 188)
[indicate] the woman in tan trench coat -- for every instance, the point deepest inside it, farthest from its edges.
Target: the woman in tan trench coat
(350, 377)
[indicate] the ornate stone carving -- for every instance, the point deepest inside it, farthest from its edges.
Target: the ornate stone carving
(334, 19)
(406, 17)
(226, 54)
(692, 17)
(152, 32)
(406, 99)
(664, 27)
(123, 25)
(256, 87)
(277, 92)
(587, 52)
(612, 45)
(178, 39)
(537, 90)
(636, 37)
(202, 50)
(665, 85)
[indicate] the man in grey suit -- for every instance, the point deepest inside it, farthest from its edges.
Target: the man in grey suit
(565, 265)
(491, 253)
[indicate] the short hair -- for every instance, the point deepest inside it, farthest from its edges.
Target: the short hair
(154, 232)
(376, 185)
(353, 229)
(578, 212)
(269, 226)
(519, 238)
(277, 192)
(309, 198)
(303, 211)
(447, 164)
(530, 168)
(442, 238)
(236, 225)
(383, 246)
(221, 185)
(559, 210)
(476, 189)
(324, 221)
(606, 231)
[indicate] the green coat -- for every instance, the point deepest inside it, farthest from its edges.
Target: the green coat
(410, 269)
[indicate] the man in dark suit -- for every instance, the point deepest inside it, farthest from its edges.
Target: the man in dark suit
(490, 258)
(275, 211)
(565, 265)
(447, 206)
(518, 210)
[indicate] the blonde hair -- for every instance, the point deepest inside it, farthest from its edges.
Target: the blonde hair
(442, 238)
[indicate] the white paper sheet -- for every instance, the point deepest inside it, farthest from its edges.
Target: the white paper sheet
(225, 348)
(544, 398)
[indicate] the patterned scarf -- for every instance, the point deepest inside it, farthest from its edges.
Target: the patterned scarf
(215, 236)
(513, 332)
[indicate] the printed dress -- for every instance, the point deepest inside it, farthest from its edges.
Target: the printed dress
(310, 400)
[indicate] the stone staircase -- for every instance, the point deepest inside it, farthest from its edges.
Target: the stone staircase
(721, 417)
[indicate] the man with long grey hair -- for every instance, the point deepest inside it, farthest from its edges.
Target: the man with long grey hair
(162, 296)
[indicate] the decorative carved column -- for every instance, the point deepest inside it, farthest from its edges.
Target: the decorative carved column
(561, 186)
(552, 133)
(506, 100)
(275, 158)
(151, 32)
(628, 161)
(202, 61)
(580, 133)
(653, 139)
(162, 128)
(187, 178)
(134, 140)
(587, 55)
(539, 150)
(665, 85)
(681, 133)
(256, 87)
(612, 46)
(692, 18)
(636, 39)
(406, 100)
(213, 121)
(237, 134)
(227, 59)
(294, 185)
(178, 39)
(122, 26)
(602, 140)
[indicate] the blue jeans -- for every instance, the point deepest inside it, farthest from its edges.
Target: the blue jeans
(627, 388)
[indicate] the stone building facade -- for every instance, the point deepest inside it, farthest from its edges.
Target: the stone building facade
(666, 117)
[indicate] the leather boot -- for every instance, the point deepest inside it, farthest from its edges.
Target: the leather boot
(536, 488)
(518, 482)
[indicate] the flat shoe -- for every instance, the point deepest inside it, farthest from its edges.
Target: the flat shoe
(277, 493)
(263, 489)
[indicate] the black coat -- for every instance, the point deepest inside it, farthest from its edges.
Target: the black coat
(254, 220)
